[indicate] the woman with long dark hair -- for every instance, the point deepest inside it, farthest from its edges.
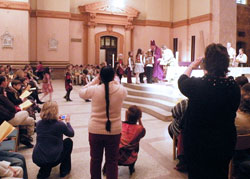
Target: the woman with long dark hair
(209, 132)
(105, 122)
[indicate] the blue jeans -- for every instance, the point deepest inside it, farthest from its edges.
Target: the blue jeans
(15, 159)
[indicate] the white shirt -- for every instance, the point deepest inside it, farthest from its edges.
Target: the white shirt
(231, 52)
(129, 63)
(242, 58)
(167, 56)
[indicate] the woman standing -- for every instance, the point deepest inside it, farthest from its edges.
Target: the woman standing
(47, 84)
(209, 132)
(105, 122)
(139, 67)
(130, 68)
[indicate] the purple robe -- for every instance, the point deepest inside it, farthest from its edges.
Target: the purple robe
(157, 71)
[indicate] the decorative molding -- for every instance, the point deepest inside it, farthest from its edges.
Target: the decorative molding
(193, 20)
(114, 20)
(202, 18)
(53, 14)
(13, 5)
(104, 13)
(77, 17)
(109, 28)
(104, 7)
(120, 43)
(33, 13)
(7, 40)
(180, 23)
(152, 23)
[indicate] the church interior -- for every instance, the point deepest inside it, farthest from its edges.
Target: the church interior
(65, 34)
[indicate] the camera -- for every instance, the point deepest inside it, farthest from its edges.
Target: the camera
(63, 117)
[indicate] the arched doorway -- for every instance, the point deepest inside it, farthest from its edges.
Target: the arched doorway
(108, 49)
(118, 40)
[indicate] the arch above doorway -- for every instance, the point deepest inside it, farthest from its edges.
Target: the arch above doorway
(98, 36)
(105, 13)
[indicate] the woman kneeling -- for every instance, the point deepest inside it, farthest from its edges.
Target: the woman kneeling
(50, 149)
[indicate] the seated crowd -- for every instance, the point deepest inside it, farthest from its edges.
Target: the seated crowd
(12, 109)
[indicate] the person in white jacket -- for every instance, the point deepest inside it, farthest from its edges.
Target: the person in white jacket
(10, 171)
(105, 122)
(241, 58)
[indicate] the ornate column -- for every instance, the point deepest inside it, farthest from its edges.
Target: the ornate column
(91, 39)
(85, 43)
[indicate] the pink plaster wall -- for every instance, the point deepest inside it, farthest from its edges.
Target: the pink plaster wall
(228, 22)
(17, 24)
(33, 41)
(200, 42)
(76, 48)
(224, 23)
(143, 35)
(182, 34)
(58, 29)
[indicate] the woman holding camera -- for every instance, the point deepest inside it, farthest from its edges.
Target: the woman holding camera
(50, 149)
(209, 132)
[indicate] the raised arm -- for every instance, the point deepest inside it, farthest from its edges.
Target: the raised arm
(68, 130)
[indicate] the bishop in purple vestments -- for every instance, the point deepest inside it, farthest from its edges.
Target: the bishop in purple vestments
(157, 71)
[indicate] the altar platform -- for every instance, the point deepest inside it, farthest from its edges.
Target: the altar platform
(173, 73)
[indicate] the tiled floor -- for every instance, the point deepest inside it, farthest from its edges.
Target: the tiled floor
(155, 156)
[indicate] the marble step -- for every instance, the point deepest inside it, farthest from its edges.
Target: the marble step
(150, 87)
(152, 110)
(169, 92)
(163, 104)
(154, 95)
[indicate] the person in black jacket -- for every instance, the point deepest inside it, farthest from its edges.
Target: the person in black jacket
(7, 108)
(8, 113)
(209, 131)
(13, 92)
(3, 81)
